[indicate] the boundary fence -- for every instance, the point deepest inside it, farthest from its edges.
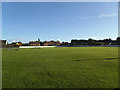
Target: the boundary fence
(69, 46)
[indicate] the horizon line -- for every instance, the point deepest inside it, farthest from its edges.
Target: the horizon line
(20, 40)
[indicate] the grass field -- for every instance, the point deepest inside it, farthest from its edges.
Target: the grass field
(61, 67)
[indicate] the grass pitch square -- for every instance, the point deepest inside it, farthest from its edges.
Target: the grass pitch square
(62, 67)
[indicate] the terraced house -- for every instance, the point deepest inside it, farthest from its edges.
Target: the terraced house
(34, 43)
(51, 43)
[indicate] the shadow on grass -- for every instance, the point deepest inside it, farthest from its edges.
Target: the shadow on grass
(97, 59)
(9, 49)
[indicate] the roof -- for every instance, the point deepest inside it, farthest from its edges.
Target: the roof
(51, 42)
(14, 42)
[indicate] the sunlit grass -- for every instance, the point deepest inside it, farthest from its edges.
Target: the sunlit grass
(61, 67)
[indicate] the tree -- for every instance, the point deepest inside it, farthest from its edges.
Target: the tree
(38, 40)
(91, 41)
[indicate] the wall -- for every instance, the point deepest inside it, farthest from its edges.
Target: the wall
(35, 46)
(69, 46)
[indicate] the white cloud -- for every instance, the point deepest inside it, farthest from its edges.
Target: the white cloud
(15, 40)
(107, 15)
(52, 39)
(59, 40)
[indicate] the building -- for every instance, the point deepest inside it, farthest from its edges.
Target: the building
(34, 43)
(25, 44)
(3, 43)
(14, 44)
(51, 43)
(17, 43)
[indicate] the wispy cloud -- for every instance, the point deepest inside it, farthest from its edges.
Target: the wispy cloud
(100, 16)
(107, 15)
(90, 17)
(73, 20)
(15, 40)
(96, 38)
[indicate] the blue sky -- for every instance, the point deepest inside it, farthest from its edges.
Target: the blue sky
(26, 21)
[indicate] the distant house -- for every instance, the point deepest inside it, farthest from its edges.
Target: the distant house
(34, 43)
(51, 43)
(48, 43)
(25, 44)
(3, 43)
(17, 43)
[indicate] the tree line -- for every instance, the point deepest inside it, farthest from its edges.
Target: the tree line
(91, 42)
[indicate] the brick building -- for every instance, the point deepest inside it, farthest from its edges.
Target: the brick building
(34, 43)
(51, 43)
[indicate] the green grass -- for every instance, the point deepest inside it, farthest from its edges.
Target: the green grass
(63, 67)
